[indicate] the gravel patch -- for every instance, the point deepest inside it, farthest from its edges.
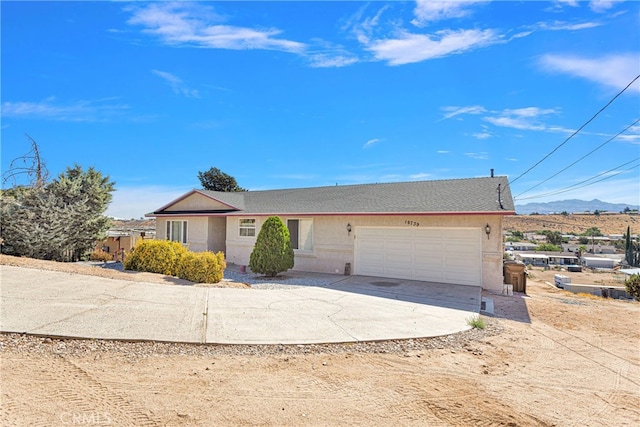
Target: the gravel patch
(30, 344)
(288, 280)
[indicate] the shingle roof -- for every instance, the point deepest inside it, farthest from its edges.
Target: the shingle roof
(472, 195)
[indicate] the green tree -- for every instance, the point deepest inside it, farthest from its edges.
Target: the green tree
(517, 234)
(272, 253)
(216, 180)
(593, 231)
(553, 237)
(59, 221)
(633, 286)
(631, 250)
(548, 247)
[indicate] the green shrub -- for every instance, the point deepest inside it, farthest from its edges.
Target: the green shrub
(633, 286)
(272, 253)
(476, 322)
(155, 256)
(202, 267)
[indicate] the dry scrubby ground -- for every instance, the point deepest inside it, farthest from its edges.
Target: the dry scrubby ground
(548, 358)
(608, 224)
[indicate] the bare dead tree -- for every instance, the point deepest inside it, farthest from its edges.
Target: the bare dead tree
(29, 164)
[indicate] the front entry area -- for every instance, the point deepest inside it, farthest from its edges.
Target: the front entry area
(445, 255)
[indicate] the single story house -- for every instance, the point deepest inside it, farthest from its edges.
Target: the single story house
(447, 231)
(533, 259)
(520, 246)
(597, 262)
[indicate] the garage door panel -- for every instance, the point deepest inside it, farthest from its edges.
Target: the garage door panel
(429, 254)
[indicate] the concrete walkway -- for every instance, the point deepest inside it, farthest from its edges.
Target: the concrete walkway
(335, 309)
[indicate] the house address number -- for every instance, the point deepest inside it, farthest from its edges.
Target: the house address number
(412, 223)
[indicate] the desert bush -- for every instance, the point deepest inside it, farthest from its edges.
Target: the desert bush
(476, 322)
(633, 286)
(155, 256)
(100, 255)
(202, 267)
(272, 252)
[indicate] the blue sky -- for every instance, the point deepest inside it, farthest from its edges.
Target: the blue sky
(301, 94)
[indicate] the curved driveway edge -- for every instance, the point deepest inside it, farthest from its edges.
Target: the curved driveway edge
(350, 309)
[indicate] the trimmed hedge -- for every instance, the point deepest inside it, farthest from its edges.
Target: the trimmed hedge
(202, 267)
(155, 256)
(173, 259)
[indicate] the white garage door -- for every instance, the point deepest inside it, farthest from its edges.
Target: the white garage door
(446, 255)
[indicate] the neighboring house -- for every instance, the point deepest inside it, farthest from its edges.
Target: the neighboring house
(597, 262)
(520, 246)
(119, 242)
(445, 231)
(533, 259)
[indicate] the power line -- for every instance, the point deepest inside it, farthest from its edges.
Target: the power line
(579, 184)
(582, 158)
(577, 131)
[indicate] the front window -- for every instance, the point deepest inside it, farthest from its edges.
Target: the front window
(177, 231)
(247, 228)
(301, 233)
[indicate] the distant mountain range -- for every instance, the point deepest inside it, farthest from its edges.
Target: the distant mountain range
(572, 206)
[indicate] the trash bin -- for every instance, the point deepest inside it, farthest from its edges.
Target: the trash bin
(514, 274)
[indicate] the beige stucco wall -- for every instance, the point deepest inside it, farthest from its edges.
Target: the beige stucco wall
(333, 246)
(197, 231)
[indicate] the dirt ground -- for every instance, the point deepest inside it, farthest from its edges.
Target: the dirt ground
(552, 359)
(606, 223)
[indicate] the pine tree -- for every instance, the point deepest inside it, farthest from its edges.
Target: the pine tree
(272, 253)
(60, 221)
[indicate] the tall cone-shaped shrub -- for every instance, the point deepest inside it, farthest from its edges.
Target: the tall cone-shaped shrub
(272, 253)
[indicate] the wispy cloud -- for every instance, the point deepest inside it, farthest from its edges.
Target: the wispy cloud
(177, 84)
(566, 26)
(370, 143)
(481, 135)
(78, 111)
(615, 71)
(478, 156)
(419, 176)
(192, 24)
(452, 111)
(430, 11)
(408, 48)
(600, 6)
(523, 118)
(443, 151)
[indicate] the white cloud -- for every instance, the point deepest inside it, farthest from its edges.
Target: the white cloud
(455, 111)
(78, 111)
(430, 10)
(566, 26)
(419, 176)
(482, 135)
(191, 24)
(524, 119)
(177, 84)
(443, 152)
(409, 48)
(134, 202)
(601, 6)
(371, 142)
(478, 156)
(615, 71)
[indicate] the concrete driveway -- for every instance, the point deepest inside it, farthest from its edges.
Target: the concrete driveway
(335, 309)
